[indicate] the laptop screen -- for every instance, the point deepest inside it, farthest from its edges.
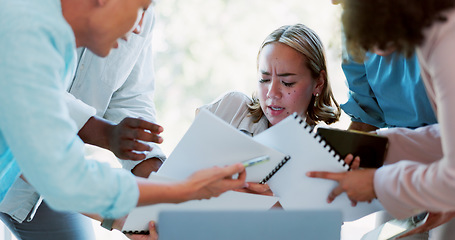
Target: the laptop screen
(249, 225)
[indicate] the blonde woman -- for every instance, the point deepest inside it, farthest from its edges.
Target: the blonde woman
(292, 77)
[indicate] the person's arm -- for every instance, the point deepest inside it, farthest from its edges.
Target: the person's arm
(362, 105)
(429, 186)
(123, 139)
(134, 98)
(407, 188)
(360, 126)
(147, 166)
(120, 138)
(203, 184)
(422, 144)
(38, 131)
(36, 126)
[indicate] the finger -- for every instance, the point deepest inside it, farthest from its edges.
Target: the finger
(236, 183)
(143, 124)
(142, 135)
(152, 229)
(356, 163)
(348, 159)
(132, 145)
(126, 132)
(259, 188)
(244, 190)
(353, 203)
(326, 175)
(334, 193)
(233, 169)
(129, 155)
(242, 177)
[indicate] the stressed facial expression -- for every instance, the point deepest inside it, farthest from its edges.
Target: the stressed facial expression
(285, 82)
(115, 19)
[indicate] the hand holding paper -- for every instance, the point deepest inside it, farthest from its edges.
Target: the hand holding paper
(207, 182)
(137, 221)
(309, 152)
(358, 184)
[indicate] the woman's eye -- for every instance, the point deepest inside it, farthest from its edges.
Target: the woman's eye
(288, 84)
(263, 80)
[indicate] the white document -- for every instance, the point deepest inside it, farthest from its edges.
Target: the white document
(139, 218)
(308, 153)
(209, 142)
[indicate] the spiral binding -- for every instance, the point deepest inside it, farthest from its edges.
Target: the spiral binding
(270, 175)
(136, 232)
(326, 145)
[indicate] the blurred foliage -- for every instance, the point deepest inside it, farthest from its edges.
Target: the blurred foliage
(205, 48)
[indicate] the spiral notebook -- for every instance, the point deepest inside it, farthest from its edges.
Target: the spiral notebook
(371, 148)
(309, 152)
(210, 141)
(293, 147)
(138, 219)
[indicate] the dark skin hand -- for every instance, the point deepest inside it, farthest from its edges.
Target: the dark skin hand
(122, 139)
(146, 167)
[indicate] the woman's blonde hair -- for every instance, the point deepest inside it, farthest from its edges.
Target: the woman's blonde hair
(305, 41)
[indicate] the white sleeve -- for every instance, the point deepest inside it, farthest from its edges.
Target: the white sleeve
(78, 110)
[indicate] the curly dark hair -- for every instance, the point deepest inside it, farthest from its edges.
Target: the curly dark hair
(381, 24)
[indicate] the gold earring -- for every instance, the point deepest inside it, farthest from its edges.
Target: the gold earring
(316, 99)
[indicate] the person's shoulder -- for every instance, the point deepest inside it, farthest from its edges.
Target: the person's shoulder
(228, 104)
(29, 14)
(233, 99)
(39, 20)
(237, 96)
(36, 30)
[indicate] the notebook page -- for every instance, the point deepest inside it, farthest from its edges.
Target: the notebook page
(139, 218)
(292, 186)
(209, 142)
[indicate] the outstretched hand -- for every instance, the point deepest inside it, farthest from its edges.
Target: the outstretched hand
(214, 181)
(357, 183)
(127, 139)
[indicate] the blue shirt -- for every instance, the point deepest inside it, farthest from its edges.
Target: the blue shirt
(38, 60)
(387, 92)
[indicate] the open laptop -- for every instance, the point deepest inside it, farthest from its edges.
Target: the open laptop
(249, 225)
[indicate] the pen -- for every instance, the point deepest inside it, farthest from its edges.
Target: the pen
(254, 161)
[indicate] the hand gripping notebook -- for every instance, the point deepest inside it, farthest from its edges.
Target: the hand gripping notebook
(308, 152)
(138, 219)
(210, 141)
(371, 148)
